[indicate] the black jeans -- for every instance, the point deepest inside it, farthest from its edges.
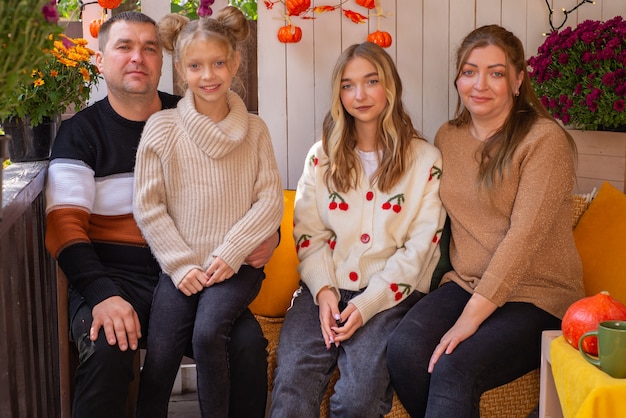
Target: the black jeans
(506, 346)
(205, 320)
(104, 373)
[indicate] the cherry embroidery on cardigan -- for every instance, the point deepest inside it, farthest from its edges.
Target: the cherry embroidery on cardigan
(437, 236)
(434, 172)
(400, 289)
(313, 160)
(342, 205)
(332, 241)
(397, 206)
(303, 242)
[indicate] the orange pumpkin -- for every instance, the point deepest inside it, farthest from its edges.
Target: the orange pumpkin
(368, 4)
(94, 27)
(295, 7)
(289, 34)
(585, 314)
(109, 4)
(380, 38)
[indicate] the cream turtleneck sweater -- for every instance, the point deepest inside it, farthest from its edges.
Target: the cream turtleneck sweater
(205, 189)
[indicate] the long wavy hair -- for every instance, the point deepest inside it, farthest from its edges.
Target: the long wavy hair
(395, 130)
(498, 151)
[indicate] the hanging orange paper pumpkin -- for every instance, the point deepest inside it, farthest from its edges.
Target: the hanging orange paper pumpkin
(109, 4)
(380, 38)
(368, 4)
(289, 34)
(94, 27)
(295, 7)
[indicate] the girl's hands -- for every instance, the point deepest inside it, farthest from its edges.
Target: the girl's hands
(217, 272)
(193, 282)
(196, 280)
(329, 313)
(336, 326)
(349, 322)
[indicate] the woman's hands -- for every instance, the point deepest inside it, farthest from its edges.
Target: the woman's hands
(336, 326)
(478, 309)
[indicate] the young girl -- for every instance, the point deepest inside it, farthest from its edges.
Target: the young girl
(367, 220)
(207, 193)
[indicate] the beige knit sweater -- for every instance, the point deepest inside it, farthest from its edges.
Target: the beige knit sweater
(519, 246)
(205, 189)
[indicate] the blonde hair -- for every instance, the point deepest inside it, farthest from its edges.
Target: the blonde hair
(498, 151)
(229, 28)
(395, 130)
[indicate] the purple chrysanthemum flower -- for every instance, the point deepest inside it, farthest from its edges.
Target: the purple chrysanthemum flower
(618, 105)
(204, 10)
(49, 11)
(608, 79)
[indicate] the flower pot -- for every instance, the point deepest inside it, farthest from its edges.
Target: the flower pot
(601, 157)
(30, 143)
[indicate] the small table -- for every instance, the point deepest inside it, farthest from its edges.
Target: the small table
(549, 405)
(574, 388)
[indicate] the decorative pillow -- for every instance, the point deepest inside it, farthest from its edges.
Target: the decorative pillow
(281, 275)
(600, 237)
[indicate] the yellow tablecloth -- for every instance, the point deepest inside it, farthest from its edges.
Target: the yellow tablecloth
(584, 390)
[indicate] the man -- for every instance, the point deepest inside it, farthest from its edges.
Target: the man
(92, 234)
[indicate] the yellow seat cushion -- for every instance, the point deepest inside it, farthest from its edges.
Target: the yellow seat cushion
(600, 237)
(281, 275)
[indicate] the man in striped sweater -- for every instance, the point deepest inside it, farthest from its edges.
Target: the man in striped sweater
(93, 235)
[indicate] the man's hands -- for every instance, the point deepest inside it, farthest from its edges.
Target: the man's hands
(261, 255)
(120, 322)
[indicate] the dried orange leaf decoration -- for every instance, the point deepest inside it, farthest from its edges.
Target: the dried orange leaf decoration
(354, 16)
(289, 34)
(368, 4)
(94, 27)
(380, 38)
(296, 7)
(109, 4)
(321, 9)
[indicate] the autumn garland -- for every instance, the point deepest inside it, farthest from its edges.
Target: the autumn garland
(291, 33)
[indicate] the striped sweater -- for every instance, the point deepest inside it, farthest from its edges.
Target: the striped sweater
(89, 222)
(206, 189)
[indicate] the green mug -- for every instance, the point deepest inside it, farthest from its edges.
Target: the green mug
(611, 348)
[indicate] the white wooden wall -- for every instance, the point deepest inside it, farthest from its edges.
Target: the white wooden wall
(294, 79)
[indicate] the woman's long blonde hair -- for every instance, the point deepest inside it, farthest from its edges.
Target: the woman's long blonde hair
(498, 151)
(395, 131)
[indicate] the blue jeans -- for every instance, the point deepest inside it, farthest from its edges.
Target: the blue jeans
(205, 320)
(305, 365)
(506, 346)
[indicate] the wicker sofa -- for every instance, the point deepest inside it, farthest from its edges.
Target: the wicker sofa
(515, 399)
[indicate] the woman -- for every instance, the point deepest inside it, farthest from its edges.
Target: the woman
(367, 210)
(515, 269)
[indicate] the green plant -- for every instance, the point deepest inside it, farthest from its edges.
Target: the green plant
(69, 9)
(24, 30)
(64, 79)
(580, 74)
(189, 8)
